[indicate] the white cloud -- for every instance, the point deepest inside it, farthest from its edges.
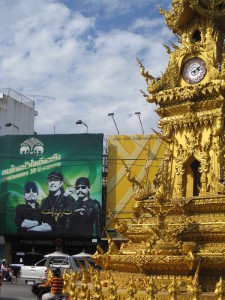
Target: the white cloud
(84, 61)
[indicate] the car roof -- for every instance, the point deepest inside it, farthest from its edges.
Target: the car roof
(82, 254)
(57, 253)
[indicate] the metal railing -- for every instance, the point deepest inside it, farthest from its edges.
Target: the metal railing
(18, 97)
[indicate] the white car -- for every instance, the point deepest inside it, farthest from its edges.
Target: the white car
(33, 274)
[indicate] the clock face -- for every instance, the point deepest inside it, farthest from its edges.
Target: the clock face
(194, 70)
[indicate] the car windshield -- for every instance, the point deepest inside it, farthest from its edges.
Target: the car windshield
(58, 262)
(41, 262)
(84, 263)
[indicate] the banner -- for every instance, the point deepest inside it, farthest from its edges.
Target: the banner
(132, 150)
(51, 185)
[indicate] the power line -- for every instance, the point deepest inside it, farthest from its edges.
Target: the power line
(39, 96)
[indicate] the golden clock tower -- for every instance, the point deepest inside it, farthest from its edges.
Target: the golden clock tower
(190, 96)
(178, 224)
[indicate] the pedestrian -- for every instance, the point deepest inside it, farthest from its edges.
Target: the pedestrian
(4, 269)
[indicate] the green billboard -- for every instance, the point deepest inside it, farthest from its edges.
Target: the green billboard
(51, 185)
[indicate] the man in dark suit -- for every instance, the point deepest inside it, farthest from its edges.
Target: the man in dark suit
(87, 211)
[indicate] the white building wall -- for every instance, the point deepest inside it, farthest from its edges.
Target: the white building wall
(17, 110)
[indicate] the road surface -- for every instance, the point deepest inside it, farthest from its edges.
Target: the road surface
(19, 291)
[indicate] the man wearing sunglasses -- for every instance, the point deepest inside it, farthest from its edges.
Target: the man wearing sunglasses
(57, 207)
(87, 212)
(28, 216)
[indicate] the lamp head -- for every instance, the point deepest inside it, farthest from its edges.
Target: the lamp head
(79, 122)
(111, 114)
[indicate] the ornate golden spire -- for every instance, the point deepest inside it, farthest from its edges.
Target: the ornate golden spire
(183, 11)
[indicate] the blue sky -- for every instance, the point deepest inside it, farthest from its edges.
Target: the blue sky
(78, 60)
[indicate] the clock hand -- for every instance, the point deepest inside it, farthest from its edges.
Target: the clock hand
(195, 71)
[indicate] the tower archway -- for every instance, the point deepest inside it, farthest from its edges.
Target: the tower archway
(196, 177)
(192, 180)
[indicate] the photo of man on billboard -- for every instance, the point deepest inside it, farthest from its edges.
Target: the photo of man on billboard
(87, 212)
(28, 216)
(57, 207)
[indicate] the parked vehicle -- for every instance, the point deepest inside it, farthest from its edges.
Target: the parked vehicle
(33, 274)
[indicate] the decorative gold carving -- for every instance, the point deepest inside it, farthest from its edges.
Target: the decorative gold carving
(173, 287)
(220, 289)
(66, 286)
(97, 294)
(84, 292)
(142, 190)
(151, 288)
(120, 227)
(112, 289)
(195, 288)
(214, 10)
(112, 248)
(173, 290)
(132, 290)
(177, 224)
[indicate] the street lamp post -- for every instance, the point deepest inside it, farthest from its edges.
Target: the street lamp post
(112, 115)
(81, 122)
(139, 116)
(11, 124)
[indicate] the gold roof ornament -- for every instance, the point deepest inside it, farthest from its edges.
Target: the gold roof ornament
(132, 290)
(220, 289)
(195, 288)
(183, 12)
(97, 291)
(112, 289)
(84, 292)
(174, 289)
(142, 190)
(120, 226)
(151, 288)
